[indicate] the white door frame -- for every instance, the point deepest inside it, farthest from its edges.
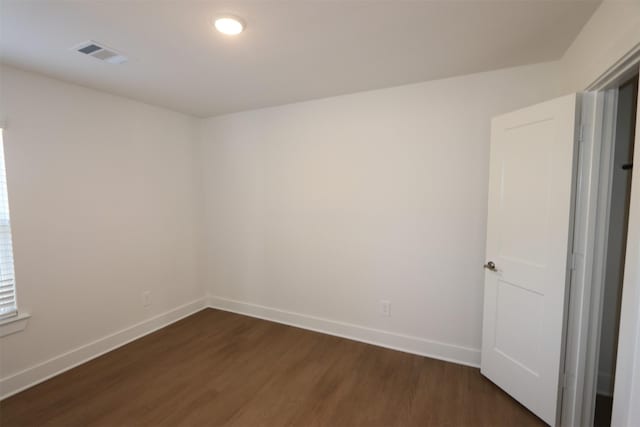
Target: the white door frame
(588, 266)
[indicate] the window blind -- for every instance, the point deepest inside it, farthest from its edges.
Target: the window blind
(8, 305)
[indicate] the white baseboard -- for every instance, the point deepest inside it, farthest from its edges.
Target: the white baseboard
(409, 344)
(43, 371)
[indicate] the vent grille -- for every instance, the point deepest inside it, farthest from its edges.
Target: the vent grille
(101, 52)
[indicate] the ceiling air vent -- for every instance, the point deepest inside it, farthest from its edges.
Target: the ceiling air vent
(100, 52)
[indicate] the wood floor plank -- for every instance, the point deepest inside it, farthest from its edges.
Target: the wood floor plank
(216, 368)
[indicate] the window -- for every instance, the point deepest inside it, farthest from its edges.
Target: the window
(8, 306)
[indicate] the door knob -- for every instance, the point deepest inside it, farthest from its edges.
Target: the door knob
(491, 266)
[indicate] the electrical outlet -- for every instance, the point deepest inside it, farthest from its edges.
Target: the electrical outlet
(385, 308)
(146, 298)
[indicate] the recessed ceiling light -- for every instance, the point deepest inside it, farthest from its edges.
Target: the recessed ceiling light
(229, 25)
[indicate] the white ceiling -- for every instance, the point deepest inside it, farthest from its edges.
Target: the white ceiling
(290, 51)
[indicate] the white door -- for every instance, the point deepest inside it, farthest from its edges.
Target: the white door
(528, 233)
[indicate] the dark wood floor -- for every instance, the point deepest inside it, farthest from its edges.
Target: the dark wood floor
(217, 368)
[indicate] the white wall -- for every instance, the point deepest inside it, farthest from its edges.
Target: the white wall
(312, 212)
(323, 208)
(102, 201)
(611, 32)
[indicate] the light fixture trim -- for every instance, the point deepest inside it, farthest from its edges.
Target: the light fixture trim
(229, 25)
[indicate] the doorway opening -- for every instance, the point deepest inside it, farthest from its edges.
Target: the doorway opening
(595, 345)
(618, 208)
